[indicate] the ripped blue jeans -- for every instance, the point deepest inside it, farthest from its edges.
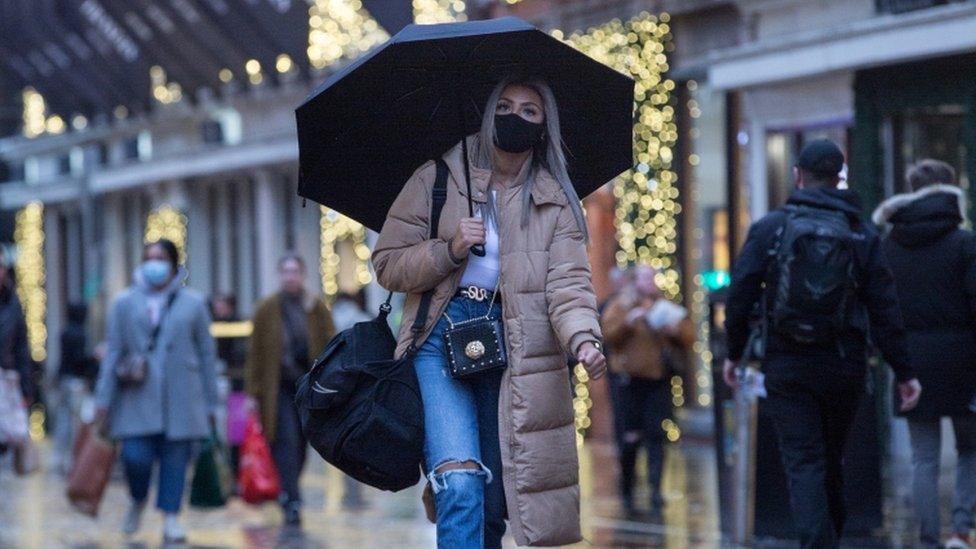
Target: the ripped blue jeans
(461, 423)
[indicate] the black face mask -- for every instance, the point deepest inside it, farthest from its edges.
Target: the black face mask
(516, 134)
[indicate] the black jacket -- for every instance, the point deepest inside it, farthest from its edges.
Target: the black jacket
(934, 263)
(14, 353)
(877, 305)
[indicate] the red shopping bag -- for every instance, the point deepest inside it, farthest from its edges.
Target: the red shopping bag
(91, 470)
(257, 476)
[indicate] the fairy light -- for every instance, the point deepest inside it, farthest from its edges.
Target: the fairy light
(283, 63)
(338, 228)
(647, 195)
(169, 223)
(340, 29)
(163, 90)
(36, 122)
(426, 12)
(699, 304)
(29, 271)
(581, 402)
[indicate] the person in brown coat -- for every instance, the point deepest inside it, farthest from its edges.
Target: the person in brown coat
(647, 337)
(290, 328)
(505, 438)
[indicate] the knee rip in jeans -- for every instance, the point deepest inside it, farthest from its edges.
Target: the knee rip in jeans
(438, 477)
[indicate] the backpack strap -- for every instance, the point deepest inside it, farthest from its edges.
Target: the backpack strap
(438, 198)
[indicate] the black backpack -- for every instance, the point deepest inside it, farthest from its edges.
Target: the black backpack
(815, 277)
(359, 407)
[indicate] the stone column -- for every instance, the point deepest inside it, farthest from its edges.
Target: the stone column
(53, 286)
(267, 229)
(223, 227)
(199, 250)
(245, 245)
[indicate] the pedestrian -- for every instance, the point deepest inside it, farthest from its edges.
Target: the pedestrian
(826, 283)
(13, 333)
(157, 387)
(934, 263)
(505, 437)
(77, 372)
(230, 350)
(648, 335)
(290, 328)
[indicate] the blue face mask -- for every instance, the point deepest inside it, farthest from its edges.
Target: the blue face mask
(156, 271)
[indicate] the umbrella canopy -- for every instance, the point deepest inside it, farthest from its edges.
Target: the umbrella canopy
(364, 131)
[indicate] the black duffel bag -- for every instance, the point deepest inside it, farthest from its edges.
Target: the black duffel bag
(360, 408)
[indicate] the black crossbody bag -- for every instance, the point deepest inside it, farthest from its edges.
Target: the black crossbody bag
(475, 346)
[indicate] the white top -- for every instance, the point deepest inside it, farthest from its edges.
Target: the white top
(156, 301)
(483, 271)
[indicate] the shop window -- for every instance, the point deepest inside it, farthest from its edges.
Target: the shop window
(933, 133)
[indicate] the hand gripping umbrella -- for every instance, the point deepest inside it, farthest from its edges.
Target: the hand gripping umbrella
(364, 131)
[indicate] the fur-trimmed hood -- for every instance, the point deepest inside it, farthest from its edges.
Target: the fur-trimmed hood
(884, 212)
(921, 217)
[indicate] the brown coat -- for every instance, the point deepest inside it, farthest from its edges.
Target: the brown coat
(262, 371)
(635, 347)
(549, 310)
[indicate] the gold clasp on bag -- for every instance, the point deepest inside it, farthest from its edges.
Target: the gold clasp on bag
(474, 350)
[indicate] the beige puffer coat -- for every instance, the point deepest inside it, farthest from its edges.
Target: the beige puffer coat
(549, 310)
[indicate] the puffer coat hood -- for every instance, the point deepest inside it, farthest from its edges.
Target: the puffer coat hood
(548, 311)
(922, 217)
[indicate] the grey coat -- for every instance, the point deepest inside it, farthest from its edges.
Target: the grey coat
(181, 389)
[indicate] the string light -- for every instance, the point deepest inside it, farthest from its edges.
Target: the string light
(426, 12)
(340, 29)
(283, 63)
(647, 205)
(163, 90)
(29, 239)
(338, 228)
(581, 402)
(169, 223)
(36, 122)
(647, 195)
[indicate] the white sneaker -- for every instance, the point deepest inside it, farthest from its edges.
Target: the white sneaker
(173, 531)
(958, 541)
(133, 518)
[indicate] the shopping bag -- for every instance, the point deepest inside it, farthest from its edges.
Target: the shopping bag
(257, 476)
(238, 408)
(91, 470)
(212, 479)
(26, 458)
(14, 428)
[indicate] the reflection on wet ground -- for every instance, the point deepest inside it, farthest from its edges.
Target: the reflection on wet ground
(35, 514)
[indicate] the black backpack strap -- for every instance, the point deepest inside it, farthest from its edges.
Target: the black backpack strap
(438, 198)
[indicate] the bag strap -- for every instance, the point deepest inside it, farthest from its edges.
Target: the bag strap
(439, 197)
(159, 325)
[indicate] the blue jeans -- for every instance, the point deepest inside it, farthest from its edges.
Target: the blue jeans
(461, 423)
(138, 455)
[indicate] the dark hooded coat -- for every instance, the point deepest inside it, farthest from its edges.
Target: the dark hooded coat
(934, 264)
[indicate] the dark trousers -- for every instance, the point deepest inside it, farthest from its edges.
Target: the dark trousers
(640, 406)
(812, 408)
(289, 447)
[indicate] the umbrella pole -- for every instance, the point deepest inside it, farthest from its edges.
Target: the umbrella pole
(477, 249)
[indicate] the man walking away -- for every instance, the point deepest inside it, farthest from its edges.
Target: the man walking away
(934, 263)
(290, 328)
(826, 282)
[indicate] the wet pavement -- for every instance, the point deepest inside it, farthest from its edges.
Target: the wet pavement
(35, 514)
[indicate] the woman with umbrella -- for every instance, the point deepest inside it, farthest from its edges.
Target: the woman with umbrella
(509, 244)
(531, 226)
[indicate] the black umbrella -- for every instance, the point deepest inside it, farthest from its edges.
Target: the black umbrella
(364, 131)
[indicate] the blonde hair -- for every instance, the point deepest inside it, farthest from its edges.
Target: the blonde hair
(546, 154)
